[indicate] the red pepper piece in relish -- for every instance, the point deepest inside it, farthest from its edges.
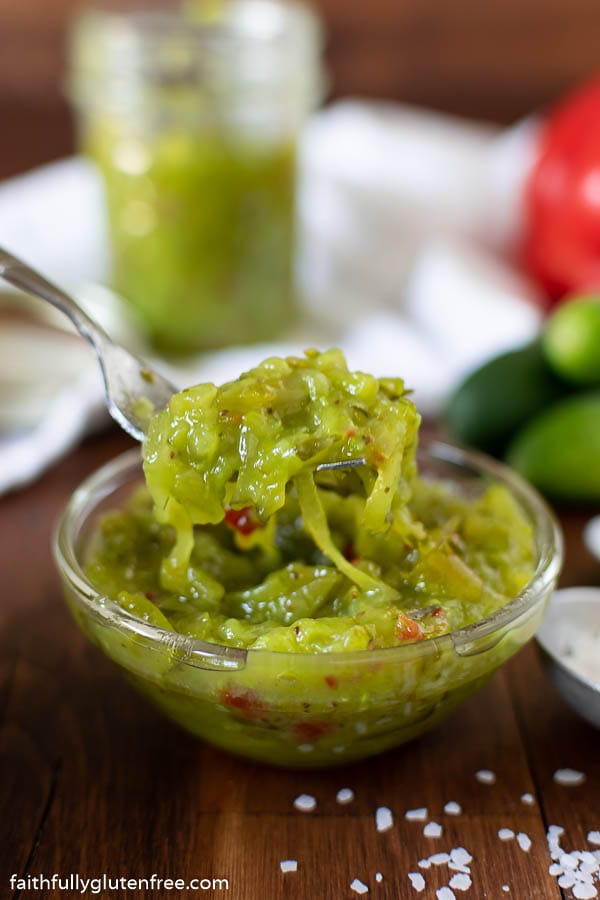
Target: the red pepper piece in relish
(245, 701)
(242, 520)
(408, 629)
(311, 731)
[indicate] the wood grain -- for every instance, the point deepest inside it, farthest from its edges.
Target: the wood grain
(92, 780)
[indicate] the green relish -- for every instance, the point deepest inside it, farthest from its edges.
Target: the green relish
(239, 538)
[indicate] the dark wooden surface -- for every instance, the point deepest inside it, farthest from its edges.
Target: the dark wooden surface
(93, 780)
(495, 60)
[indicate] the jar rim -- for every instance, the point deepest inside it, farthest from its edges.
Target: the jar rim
(106, 42)
(256, 52)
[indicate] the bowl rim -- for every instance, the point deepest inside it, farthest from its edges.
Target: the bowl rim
(102, 483)
(558, 598)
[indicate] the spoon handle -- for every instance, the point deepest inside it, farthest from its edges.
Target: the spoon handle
(26, 279)
(133, 390)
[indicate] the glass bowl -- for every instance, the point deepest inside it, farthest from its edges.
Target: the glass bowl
(296, 709)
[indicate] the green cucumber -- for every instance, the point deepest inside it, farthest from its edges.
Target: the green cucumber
(493, 402)
(559, 451)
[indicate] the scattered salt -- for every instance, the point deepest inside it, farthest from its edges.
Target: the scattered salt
(452, 808)
(506, 834)
(433, 830)
(416, 815)
(506, 887)
(444, 893)
(485, 776)
(527, 799)
(569, 777)
(359, 887)
(460, 882)
(345, 795)
(424, 864)
(594, 837)
(439, 859)
(460, 856)
(584, 891)
(305, 803)
(576, 870)
(589, 865)
(458, 868)
(524, 841)
(378, 876)
(384, 819)
(417, 881)
(289, 865)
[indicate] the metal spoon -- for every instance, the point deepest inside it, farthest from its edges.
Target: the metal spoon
(133, 390)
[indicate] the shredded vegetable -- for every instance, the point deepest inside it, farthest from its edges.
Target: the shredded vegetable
(240, 540)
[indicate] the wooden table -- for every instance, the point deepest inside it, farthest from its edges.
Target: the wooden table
(93, 780)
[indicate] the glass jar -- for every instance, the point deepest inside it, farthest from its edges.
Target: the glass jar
(194, 125)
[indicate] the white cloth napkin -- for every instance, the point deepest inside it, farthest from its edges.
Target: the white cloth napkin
(408, 225)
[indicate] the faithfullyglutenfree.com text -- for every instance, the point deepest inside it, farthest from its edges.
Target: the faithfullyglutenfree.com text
(99, 884)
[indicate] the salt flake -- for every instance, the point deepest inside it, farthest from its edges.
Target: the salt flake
(506, 888)
(506, 834)
(359, 887)
(569, 777)
(594, 837)
(460, 856)
(452, 808)
(345, 795)
(568, 861)
(417, 881)
(486, 776)
(378, 876)
(384, 819)
(433, 830)
(527, 799)
(289, 865)
(460, 882)
(305, 803)
(444, 893)
(524, 841)
(458, 868)
(416, 815)
(439, 859)
(584, 891)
